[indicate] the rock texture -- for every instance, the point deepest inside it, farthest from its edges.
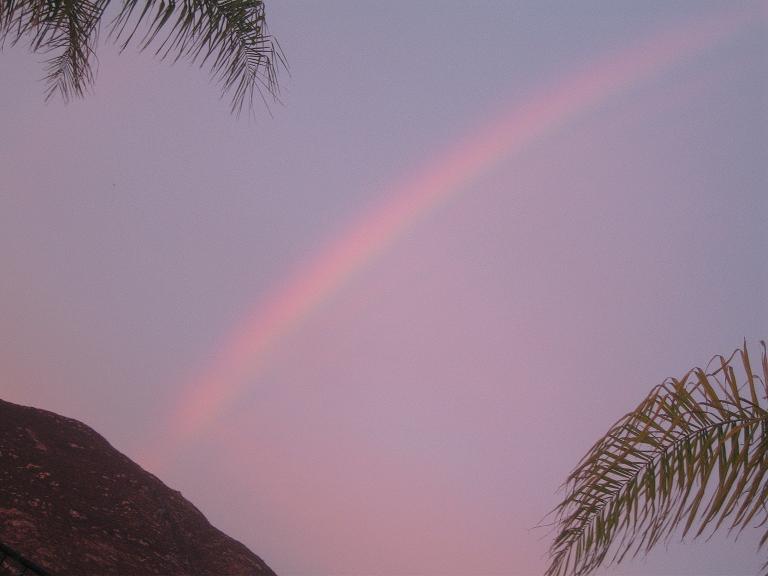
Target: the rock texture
(72, 504)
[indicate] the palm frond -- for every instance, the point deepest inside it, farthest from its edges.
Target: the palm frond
(230, 36)
(693, 456)
(68, 28)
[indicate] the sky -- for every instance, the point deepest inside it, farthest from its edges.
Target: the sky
(371, 329)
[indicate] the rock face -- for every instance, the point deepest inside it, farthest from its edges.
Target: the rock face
(72, 504)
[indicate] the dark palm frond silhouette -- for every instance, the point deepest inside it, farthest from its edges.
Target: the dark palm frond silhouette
(228, 36)
(692, 457)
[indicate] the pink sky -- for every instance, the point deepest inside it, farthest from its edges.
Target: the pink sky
(242, 356)
(373, 332)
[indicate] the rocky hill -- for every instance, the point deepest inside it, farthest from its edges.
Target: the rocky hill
(72, 504)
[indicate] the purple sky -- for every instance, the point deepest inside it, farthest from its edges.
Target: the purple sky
(420, 417)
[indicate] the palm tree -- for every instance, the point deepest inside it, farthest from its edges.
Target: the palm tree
(692, 456)
(229, 36)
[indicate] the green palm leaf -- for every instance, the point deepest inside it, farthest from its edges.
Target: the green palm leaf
(692, 456)
(228, 36)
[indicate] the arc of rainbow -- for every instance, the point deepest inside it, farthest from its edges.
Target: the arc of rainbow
(247, 350)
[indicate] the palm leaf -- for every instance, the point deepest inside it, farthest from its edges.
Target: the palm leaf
(229, 36)
(693, 456)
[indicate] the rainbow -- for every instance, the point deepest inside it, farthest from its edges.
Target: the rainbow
(245, 353)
